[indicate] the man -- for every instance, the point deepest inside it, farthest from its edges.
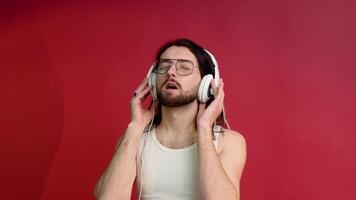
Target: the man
(176, 153)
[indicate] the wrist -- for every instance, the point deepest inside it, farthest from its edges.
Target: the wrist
(203, 124)
(204, 129)
(136, 125)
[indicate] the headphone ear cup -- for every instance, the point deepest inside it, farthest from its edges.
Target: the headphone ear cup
(152, 83)
(204, 89)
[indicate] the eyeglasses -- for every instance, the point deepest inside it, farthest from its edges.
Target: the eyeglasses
(183, 67)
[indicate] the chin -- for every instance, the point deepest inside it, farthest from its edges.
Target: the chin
(181, 100)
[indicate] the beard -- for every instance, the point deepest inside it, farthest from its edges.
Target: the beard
(179, 100)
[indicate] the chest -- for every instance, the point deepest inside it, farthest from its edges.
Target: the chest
(176, 143)
(173, 143)
(168, 172)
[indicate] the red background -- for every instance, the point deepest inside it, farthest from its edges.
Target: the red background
(68, 70)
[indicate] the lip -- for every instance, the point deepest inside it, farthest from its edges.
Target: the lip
(171, 82)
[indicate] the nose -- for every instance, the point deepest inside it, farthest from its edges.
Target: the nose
(172, 71)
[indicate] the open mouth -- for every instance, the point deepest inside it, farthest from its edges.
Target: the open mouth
(171, 86)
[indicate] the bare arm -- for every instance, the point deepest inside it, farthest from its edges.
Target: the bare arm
(117, 180)
(218, 175)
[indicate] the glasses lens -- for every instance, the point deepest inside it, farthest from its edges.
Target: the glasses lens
(185, 67)
(163, 66)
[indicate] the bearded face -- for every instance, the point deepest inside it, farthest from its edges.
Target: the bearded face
(174, 87)
(176, 97)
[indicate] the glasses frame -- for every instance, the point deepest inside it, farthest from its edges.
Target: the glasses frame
(175, 61)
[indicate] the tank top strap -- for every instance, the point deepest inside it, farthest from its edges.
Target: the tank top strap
(142, 143)
(216, 132)
(216, 136)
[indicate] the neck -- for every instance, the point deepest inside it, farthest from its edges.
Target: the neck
(179, 121)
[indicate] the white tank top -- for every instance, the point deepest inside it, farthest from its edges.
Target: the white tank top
(168, 174)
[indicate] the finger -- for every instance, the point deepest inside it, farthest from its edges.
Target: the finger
(220, 86)
(144, 93)
(213, 86)
(221, 93)
(201, 107)
(219, 98)
(142, 85)
(216, 86)
(145, 96)
(221, 101)
(219, 90)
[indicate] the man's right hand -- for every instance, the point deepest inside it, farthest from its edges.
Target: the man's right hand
(139, 115)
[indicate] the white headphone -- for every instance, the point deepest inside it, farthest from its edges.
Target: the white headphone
(205, 91)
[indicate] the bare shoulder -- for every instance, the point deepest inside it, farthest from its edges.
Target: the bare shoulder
(232, 140)
(233, 154)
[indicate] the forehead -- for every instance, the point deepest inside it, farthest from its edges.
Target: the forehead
(175, 52)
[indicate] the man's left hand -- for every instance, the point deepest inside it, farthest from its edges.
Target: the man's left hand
(207, 115)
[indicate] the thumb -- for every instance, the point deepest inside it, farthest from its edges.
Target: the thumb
(201, 107)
